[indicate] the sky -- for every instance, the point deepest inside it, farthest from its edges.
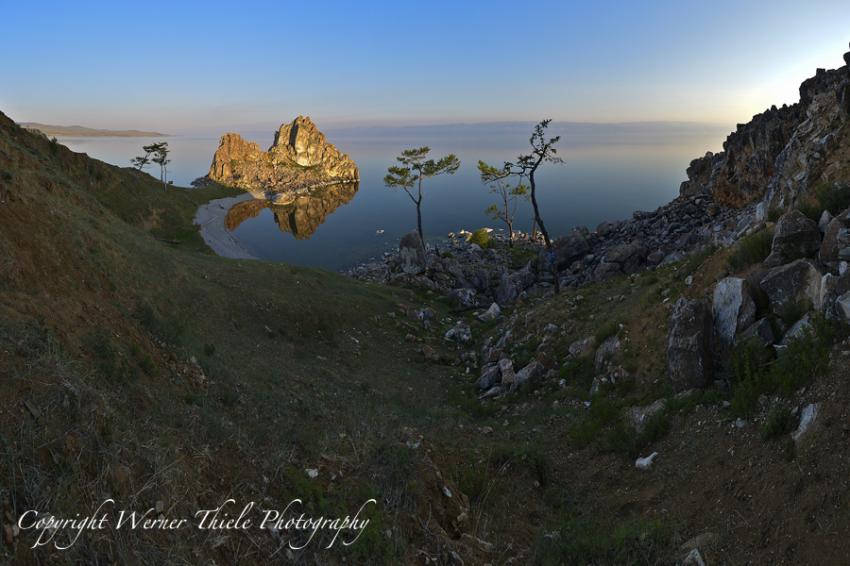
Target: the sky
(183, 65)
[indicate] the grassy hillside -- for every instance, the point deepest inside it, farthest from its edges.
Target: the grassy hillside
(137, 365)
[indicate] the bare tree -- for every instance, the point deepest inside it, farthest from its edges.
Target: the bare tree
(509, 195)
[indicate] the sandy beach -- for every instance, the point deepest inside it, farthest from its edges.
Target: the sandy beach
(210, 219)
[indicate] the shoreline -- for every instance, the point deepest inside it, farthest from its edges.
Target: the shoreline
(210, 220)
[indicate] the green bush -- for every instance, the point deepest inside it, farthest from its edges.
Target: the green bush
(579, 372)
(606, 331)
(834, 198)
(792, 312)
(779, 422)
(811, 208)
(774, 214)
(755, 372)
(751, 250)
(582, 540)
(480, 237)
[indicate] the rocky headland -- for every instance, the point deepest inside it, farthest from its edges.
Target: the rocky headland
(300, 160)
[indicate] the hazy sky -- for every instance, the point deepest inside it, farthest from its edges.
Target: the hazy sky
(177, 65)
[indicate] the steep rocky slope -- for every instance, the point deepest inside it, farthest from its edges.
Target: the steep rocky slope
(783, 153)
(300, 159)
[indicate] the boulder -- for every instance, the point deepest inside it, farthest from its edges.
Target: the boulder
(630, 257)
(733, 308)
(807, 419)
(411, 254)
(581, 347)
(836, 238)
(825, 219)
(490, 376)
(796, 236)
(511, 286)
(506, 370)
(797, 330)
(606, 352)
(761, 331)
(531, 372)
(491, 313)
(606, 270)
(689, 345)
(637, 416)
(605, 228)
(794, 283)
(570, 248)
(464, 297)
(460, 332)
(842, 306)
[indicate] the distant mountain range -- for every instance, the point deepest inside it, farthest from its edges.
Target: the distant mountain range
(82, 131)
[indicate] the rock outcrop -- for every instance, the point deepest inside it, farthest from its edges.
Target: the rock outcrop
(782, 153)
(299, 160)
(690, 345)
(796, 237)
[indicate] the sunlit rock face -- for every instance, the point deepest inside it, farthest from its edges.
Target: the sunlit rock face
(300, 217)
(781, 154)
(299, 160)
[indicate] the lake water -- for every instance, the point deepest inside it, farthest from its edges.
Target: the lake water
(609, 171)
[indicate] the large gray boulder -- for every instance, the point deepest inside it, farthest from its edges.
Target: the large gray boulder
(842, 306)
(836, 239)
(689, 345)
(761, 331)
(630, 257)
(570, 248)
(795, 283)
(511, 286)
(733, 308)
(797, 236)
(411, 253)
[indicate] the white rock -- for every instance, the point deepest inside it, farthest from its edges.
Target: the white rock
(694, 558)
(807, 418)
(645, 463)
(843, 305)
(491, 313)
(733, 308)
(312, 473)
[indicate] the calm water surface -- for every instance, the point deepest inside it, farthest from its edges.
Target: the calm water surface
(609, 171)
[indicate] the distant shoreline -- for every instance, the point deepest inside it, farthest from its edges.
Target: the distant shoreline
(82, 131)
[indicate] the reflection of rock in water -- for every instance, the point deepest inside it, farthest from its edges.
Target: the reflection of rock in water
(242, 211)
(301, 217)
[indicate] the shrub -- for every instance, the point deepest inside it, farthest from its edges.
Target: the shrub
(756, 373)
(751, 250)
(774, 214)
(579, 372)
(584, 541)
(778, 423)
(834, 198)
(811, 208)
(480, 237)
(606, 331)
(792, 312)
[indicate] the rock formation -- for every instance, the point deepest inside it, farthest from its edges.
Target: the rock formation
(299, 160)
(782, 153)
